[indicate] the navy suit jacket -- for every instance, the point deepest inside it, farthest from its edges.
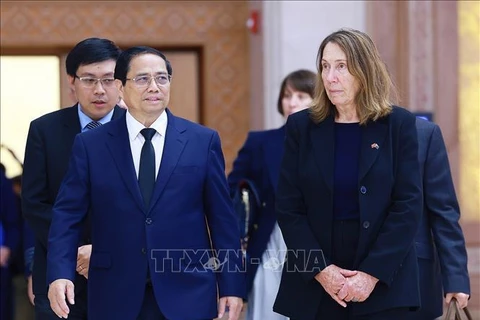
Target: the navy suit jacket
(440, 245)
(49, 143)
(190, 210)
(259, 161)
(9, 218)
(390, 201)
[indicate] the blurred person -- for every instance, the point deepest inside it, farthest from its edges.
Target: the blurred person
(440, 245)
(90, 67)
(9, 239)
(22, 279)
(164, 235)
(349, 194)
(259, 162)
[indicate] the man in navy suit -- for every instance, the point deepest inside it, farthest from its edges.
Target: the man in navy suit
(164, 233)
(440, 245)
(90, 66)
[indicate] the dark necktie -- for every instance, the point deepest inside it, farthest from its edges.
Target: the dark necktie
(93, 125)
(146, 172)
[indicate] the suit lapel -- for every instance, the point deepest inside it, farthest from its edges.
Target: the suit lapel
(272, 153)
(323, 142)
(71, 127)
(373, 136)
(174, 144)
(71, 124)
(119, 147)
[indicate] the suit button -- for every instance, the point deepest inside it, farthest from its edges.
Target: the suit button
(363, 190)
(264, 204)
(148, 221)
(366, 224)
(144, 250)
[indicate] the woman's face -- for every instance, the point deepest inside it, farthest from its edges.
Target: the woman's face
(294, 101)
(341, 86)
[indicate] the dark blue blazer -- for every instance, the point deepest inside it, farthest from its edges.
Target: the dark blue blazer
(9, 218)
(440, 245)
(190, 206)
(390, 200)
(49, 142)
(259, 161)
(10, 233)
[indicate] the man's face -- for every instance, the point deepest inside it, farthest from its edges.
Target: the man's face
(97, 98)
(146, 99)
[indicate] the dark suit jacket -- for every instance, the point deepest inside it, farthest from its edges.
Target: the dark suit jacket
(259, 161)
(10, 236)
(440, 245)
(47, 153)
(190, 206)
(390, 200)
(9, 218)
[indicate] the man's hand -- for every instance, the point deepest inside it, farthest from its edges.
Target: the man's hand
(30, 294)
(57, 292)
(358, 288)
(332, 279)
(4, 256)
(462, 298)
(83, 259)
(234, 305)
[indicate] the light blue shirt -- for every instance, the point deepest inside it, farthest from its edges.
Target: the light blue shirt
(84, 119)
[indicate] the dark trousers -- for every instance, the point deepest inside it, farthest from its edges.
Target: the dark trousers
(345, 239)
(150, 309)
(78, 311)
(6, 294)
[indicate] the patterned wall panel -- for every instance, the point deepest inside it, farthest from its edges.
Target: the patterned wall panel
(216, 26)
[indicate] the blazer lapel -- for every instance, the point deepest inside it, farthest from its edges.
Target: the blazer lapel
(119, 147)
(373, 136)
(172, 150)
(72, 124)
(323, 142)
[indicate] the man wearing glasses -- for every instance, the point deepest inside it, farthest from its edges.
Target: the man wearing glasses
(164, 234)
(90, 67)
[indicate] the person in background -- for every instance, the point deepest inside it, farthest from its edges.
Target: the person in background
(90, 66)
(440, 245)
(349, 197)
(160, 222)
(9, 240)
(259, 162)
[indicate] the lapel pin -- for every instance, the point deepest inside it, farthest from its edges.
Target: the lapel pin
(374, 146)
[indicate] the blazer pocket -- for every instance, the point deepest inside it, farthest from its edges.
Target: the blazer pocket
(424, 250)
(185, 169)
(100, 260)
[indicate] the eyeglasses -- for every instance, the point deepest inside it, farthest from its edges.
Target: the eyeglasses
(89, 82)
(145, 81)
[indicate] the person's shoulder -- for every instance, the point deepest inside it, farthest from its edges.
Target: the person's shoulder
(191, 127)
(101, 131)
(263, 134)
(399, 115)
(56, 116)
(302, 116)
(425, 124)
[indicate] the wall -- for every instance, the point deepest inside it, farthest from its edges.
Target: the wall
(290, 34)
(217, 27)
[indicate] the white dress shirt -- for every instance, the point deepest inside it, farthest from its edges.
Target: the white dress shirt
(137, 139)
